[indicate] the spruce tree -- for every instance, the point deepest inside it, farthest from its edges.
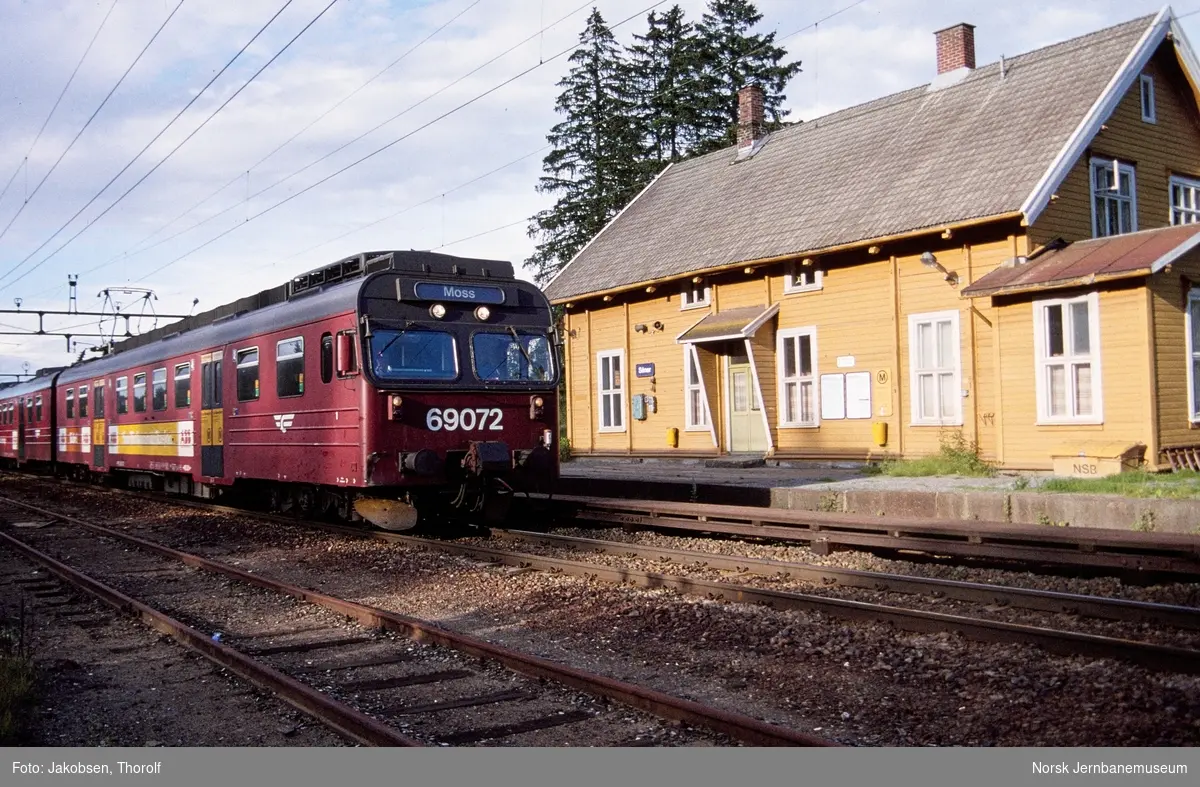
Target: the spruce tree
(666, 64)
(595, 166)
(734, 57)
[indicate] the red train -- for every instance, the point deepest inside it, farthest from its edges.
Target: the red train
(393, 385)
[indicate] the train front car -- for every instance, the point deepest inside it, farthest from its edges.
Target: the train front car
(461, 410)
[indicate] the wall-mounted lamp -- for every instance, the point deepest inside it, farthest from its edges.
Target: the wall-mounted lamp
(570, 306)
(872, 250)
(641, 327)
(806, 262)
(607, 298)
(658, 326)
(572, 333)
(697, 280)
(947, 234)
(651, 289)
(930, 261)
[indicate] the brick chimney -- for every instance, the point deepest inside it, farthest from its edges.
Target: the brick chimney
(955, 48)
(750, 128)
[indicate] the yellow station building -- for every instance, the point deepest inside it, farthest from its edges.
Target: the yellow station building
(1006, 254)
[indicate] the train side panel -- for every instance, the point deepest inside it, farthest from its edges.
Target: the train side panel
(289, 416)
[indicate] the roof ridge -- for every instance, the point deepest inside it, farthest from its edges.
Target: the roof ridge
(1060, 47)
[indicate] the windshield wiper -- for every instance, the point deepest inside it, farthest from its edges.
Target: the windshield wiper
(525, 355)
(394, 339)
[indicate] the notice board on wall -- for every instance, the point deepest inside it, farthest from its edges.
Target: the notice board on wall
(858, 395)
(833, 397)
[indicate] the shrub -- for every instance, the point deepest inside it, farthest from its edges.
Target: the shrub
(564, 449)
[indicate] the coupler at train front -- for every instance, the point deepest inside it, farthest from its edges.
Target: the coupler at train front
(475, 487)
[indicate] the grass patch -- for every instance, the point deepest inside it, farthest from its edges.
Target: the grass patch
(18, 680)
(1180, 485)
(956, 456)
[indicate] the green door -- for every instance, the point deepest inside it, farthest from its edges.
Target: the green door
(746, 431)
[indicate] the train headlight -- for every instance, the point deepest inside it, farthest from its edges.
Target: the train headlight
(438, 311)
(537, 407)
(483, 313)
(395, 407)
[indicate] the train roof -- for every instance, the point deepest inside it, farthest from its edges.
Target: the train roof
(331, 289)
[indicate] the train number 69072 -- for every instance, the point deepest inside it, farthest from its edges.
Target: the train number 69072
(449, 419)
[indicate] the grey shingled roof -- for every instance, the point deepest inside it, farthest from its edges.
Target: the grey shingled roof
(911, 160)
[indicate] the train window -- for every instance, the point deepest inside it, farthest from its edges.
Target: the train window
(139, 393)
(247, 374)
(38, 409)
(83, 400)
(413, 355)
(512, 357)
(289, 367)
(70, 403)
(183, 385)
(122, 395)
(158, 389)
(326, 357)
(99, 400)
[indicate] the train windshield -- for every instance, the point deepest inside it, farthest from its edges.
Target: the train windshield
(413, 354)
(515, 356)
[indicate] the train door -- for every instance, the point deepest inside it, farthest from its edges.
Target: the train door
(21, 415)
(99, 433)
(212, 416)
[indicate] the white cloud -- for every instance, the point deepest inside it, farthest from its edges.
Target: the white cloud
(873, 49)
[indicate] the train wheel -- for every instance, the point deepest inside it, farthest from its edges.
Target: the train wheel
(306, 500)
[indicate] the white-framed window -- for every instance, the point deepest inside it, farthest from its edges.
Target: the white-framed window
(694, 296)
(935, 369)
(1192, 320)
(695, 398)
(610, 374)
(1066, 335)
(796, 358)
(802, 278)
(1114, 198)
(1185, 200)
(1149, 114)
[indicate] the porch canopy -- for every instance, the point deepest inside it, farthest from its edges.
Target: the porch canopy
(1060, 265)
(738, 323)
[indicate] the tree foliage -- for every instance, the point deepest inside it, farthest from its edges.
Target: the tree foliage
(627, 113)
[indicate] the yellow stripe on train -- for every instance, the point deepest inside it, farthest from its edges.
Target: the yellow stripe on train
(168, 438)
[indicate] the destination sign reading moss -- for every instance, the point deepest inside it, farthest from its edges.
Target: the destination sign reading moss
(437, 291)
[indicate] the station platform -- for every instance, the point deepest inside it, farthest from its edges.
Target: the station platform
(826, 486)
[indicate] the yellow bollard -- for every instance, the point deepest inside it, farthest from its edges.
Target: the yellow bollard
(879, 432)
(673, 437)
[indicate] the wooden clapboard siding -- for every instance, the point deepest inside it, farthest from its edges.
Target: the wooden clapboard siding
(1124, 353)
(1158, 150)
(1168, 298)
(852, 315)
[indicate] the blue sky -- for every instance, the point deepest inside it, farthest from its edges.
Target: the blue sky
(874, 48)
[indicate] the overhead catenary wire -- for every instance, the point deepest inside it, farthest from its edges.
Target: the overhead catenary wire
(172, 152)
(345, 145)
(53, 109)
(135, 250)
(396, 141)
(657, 93)
(88, 122)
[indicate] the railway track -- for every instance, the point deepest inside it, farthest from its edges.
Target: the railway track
(348, 675)
(907, 617)
(1079, 548)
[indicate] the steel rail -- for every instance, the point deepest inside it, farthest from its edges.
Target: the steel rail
(1070, 643)
(977, 592)
(325, 709)
(735, 725)
(1090, 547)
